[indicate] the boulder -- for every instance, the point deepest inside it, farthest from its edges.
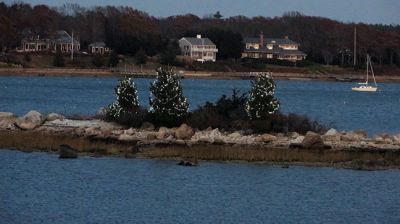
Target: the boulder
(331, 132)
(396, 139)
(188, 163)
(30, 121)
(129, 131)
(54, 116)
(6, 115)
(312, 141)
(151, 136)
(297, 140)
(147, 126)
(294, 135)
(163, 133)
(127, 138)
(266, 138)
(66, 152)
(102, 112)
(353, 136)
(184, 132)
(235, 135)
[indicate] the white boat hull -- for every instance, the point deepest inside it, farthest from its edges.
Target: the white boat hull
(365, 88)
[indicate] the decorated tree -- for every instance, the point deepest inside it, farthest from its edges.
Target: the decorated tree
(168, 106)
(261, 101)
(127, 103)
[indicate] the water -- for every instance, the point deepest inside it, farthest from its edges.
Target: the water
(40, 188)
(331, 103)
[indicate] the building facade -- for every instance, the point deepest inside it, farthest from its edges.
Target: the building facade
(272, 48)
(198, 48)
(98, 48)
(59, 40)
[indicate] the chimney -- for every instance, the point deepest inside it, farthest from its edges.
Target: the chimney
(262, 38)
(198, 36)
(286, 37)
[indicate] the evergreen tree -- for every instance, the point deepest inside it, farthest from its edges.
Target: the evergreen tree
(58, 59)
(261, 101)
(168, 56)
(168, 106)
(127, 103)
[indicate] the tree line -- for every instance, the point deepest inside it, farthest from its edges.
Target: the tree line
(128, 31)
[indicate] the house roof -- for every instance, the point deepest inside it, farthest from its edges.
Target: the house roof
(98, 44)
(198, 41)
(61, 37)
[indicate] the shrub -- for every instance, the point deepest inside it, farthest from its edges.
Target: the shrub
(261, 101)
(141, 57)
(168, 106)
(113, 59)
(58, 59)
(97, 60)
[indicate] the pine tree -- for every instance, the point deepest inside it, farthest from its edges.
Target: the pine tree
(167, 103)
(261, 101)
(127, 103)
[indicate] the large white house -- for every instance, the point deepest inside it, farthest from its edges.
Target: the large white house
(272, 48)
(198, 48)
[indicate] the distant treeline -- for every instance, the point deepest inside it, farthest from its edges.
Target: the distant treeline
(127, 30)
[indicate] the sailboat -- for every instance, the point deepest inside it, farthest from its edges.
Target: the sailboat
(364, 86)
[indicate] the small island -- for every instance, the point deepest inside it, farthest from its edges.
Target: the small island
(238, 128)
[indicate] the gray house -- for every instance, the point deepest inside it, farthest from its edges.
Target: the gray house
(198, 48)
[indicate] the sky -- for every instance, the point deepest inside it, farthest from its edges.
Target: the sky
(365, 11)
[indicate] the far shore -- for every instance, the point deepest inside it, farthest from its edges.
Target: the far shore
(72, 72)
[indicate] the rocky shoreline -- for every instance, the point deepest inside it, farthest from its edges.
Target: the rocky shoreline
(353, 149)
(75, 72)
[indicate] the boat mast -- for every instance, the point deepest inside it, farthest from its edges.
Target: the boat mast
(367, 68)
(372, 70)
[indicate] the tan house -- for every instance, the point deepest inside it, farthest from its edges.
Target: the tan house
(272, 48)
(59, 40)
(198, 48)
(98, 48)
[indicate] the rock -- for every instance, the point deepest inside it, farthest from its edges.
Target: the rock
(30, 121)
(297, 140)
(396, 139)
(331, 132)
(151, 136)
(66, 152)
(235, 135)
(188, 163)
(127, 138)
(184, 132)
(54, 116)
(294, 135)
(266, 138)
(101, 112)
(353, 136)
(129, 131)
(6, 115)
(147, 126)
(163, 133)
(312, 141)
(331, 138)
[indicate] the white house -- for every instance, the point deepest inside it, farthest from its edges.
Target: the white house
(198, 48)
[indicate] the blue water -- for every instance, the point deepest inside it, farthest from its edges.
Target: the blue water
(331, 103)
(40, 188)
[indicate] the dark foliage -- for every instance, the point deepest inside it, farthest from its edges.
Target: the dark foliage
(141, 57)
(113, 59)
(98, 60)
(58, 59)
(228, 113)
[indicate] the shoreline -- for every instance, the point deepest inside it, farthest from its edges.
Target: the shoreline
(353, 150)
(62, 72)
